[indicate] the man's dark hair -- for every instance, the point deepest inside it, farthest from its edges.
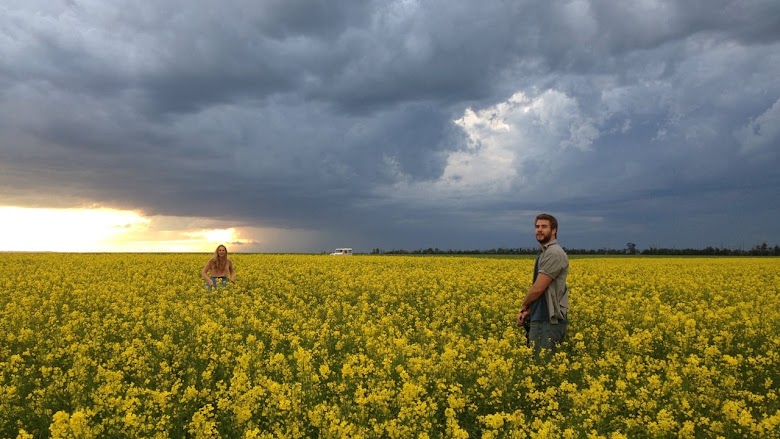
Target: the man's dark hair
(550, 218)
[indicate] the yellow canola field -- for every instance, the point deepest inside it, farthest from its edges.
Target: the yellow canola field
(131, 345)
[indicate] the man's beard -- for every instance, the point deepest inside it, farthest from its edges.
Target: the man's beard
(543, 239)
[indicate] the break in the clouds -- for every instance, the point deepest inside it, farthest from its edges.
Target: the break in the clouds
(401, 124)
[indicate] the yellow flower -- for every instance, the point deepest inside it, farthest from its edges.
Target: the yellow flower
(375, 346)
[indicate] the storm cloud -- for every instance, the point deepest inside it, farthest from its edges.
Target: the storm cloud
(401, 124)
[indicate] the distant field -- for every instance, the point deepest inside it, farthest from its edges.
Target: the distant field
(131, 345)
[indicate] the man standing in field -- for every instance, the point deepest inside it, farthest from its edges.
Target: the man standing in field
(547, 301)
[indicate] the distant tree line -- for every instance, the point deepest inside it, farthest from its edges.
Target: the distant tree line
(762, 249)
(438, 251)
(757, 250)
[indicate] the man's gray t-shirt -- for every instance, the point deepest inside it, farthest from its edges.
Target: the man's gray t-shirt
(553, 262)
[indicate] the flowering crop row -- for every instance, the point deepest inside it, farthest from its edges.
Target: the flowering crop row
(131, 345)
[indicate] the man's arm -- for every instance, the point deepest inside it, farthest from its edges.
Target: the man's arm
(543, 281)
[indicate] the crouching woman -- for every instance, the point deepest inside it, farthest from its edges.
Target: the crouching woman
(219, 269)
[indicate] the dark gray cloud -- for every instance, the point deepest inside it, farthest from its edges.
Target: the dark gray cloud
(402, 124)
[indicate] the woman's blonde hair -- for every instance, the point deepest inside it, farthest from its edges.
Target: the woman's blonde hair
(216, 261)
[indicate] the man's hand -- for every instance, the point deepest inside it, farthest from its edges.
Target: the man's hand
(521, 316)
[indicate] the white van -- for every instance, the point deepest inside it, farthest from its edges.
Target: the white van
(346, 251)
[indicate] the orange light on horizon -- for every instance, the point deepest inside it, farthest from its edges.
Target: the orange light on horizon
(216, 235)
(43, 229)
(102, 230)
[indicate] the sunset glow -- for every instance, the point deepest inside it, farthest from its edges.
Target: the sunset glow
(101, 230)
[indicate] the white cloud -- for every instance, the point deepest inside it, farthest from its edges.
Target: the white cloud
(504, 141)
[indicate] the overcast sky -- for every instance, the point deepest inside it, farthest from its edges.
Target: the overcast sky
(405, 124)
